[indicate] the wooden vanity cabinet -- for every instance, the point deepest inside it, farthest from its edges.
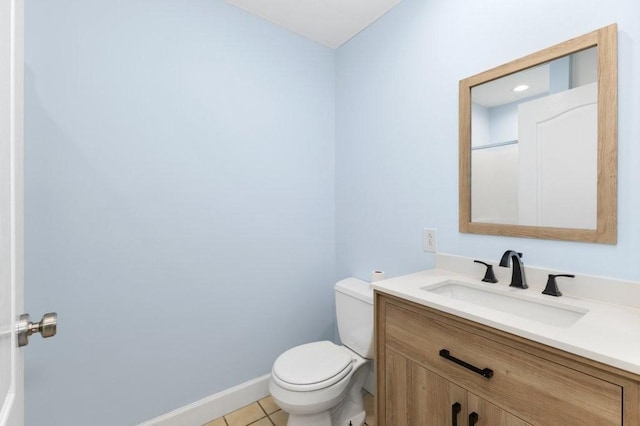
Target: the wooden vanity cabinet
(420, 397)
(529, 383)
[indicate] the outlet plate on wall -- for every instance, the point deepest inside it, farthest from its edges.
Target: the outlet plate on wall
(429, 239)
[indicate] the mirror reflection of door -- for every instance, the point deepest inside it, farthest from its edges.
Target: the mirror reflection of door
(534, 145)
(558, 160)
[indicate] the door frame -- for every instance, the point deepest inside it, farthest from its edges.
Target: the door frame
(12, 199)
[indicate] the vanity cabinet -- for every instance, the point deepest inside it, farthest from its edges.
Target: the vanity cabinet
(418, 396)
(438, 369)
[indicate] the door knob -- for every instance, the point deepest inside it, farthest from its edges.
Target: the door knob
(47, 327)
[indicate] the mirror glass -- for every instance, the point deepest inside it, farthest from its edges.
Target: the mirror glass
(534, 144)
(538, 144)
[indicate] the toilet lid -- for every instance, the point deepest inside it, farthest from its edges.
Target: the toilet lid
(312, 366)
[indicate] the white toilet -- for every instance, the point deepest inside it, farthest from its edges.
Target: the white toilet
(320, 383)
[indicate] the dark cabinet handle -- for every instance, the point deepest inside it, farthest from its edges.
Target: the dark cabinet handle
(473, 418)
(486, 372)
(455, 409)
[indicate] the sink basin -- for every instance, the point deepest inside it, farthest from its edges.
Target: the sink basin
(546, 312)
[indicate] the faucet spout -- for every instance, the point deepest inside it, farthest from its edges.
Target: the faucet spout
(518, 279)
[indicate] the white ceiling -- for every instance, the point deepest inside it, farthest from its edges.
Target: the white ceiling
(329, 22)
(500, 91)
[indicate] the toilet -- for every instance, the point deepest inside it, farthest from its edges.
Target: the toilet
(320, 383)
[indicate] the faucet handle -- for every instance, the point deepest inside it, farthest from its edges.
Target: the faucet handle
(489, 276)
(552, 286)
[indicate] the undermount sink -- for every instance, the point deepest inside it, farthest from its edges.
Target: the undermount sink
(546, 312)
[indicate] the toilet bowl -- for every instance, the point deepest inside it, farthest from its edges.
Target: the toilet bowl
(320, 383)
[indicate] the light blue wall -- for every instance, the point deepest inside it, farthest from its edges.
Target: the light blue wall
(179, 203)
(504, 122)
(397, 130)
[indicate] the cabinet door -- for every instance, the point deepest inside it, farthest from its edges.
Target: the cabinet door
(490, 415)
(396, 386)
(433, 400)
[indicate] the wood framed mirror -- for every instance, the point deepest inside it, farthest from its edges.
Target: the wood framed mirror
(538, 144)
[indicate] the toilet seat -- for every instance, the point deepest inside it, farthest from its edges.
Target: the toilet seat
(312, 366)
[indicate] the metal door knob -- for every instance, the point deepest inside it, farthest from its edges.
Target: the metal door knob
(47, 327)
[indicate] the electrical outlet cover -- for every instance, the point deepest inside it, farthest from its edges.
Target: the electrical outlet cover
(429, 240)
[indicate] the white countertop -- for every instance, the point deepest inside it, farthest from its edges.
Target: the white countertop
(607, 333)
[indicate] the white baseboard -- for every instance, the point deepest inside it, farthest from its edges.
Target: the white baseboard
(214, 406)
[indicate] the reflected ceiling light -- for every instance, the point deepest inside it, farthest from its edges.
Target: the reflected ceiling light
(520, 88)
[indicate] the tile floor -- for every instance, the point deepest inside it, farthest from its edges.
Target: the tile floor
(266, 413)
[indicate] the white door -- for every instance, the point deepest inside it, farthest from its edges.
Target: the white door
(558, 162)
(11, 211)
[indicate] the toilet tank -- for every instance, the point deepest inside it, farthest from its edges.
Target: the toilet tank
(354, 313)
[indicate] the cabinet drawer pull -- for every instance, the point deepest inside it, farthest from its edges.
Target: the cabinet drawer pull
(473, 418)
(486, 372)
(455, 409)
